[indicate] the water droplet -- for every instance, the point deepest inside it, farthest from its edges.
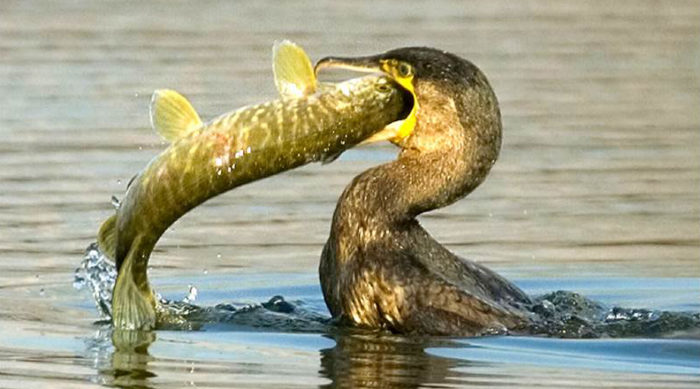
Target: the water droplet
(218, 256)
(205, 271)
(119, 182)
(41, 292)
(191, 295)
(115, 202)
(78, 282)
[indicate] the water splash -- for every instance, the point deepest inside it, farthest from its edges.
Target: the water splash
(98, 273)
(559, 314)
(191, 295)
(566, 314)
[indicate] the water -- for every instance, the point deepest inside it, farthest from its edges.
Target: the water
(596, 189)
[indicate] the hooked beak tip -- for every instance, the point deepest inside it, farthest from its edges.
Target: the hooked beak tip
(359, 64)
(323, 63)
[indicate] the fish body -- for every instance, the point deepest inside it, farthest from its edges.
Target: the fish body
(207, 159)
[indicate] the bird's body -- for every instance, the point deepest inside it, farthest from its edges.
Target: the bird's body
(379, 267)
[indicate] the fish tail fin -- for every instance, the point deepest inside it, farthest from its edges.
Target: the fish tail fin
(172, 116)
(133, 300)
(294, 74)
(107, 237)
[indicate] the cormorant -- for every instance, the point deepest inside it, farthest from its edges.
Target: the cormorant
(379, 267)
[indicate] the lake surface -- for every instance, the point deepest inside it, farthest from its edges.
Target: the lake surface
(597, 188)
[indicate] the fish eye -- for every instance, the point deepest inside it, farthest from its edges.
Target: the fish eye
(404, 70)
(383, 87)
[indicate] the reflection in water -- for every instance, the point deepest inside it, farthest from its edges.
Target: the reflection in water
(369, 359)
(130, 358)
(385, 361)
(122, 358)
(359, 359)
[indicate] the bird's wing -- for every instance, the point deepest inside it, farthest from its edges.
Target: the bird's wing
(429, 304)
(496, 286)
(465, 274)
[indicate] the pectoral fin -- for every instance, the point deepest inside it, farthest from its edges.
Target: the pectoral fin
(172, 116)
(294, 74)
(390, 133)
(330, 157)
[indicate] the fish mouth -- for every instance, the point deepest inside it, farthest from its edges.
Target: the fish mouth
(397, 132)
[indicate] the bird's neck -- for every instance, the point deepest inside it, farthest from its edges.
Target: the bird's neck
(449, 153)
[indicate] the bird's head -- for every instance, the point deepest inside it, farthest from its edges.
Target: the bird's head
(449, 93)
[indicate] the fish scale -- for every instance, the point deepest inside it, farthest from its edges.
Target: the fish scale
(233, 149)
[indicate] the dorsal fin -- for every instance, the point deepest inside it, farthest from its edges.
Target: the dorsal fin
(294, 74)
(107, 237)
(172, 116)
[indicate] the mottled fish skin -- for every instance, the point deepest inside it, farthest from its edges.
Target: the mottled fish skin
(236, 148)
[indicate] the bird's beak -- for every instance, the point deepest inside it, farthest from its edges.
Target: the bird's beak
(395, 132)
(369, 64)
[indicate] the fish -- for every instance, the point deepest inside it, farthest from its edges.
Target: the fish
(309, 122)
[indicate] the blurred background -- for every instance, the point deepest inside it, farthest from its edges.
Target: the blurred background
(598, 179)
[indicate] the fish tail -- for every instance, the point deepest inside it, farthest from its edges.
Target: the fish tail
(133, 300)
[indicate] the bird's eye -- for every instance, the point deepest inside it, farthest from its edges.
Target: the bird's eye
(405, 70)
